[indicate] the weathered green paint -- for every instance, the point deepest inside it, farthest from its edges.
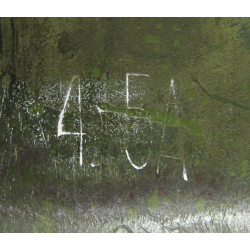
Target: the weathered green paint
(164, 118)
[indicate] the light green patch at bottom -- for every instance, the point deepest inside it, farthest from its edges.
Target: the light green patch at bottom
(200, 205)
(132, 214)
(153, 201)
(45, 224)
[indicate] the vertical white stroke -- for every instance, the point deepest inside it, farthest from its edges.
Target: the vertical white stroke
(61, 116)
(81, 134)
(184, 172)
(172, 88)
(172, 91)
(127, 93)
(127, 84)
(2, 101)
(43, 134)
(133, 165)
(60, 124)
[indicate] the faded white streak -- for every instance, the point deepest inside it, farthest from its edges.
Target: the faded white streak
(43, 134)
(2, 101)
(171, 157)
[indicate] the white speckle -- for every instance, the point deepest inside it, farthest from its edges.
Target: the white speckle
(127, 84)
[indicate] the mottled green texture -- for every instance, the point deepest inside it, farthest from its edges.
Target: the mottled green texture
(35, 110)
(200, 205)
(206, 123)
(151, 39)
(96, 72)
(154, 201)
(162, 117)
(47, 206)
(132, 214)
(244, 167)
(45, 224)
(165, 200)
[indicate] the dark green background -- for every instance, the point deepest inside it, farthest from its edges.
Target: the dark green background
(207, 57)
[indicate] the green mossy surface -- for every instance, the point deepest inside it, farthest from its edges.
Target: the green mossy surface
(154, 200)
(211, 123)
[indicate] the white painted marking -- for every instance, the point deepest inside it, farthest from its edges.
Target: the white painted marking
(137, 167)
(100, 111)
(60, 131)
(172, 87)
(11, 132)
(93, 165)
(2, 101)
(60, 123)
(171, 157)
(184, 172)
(81, 134)
(43, 134)
(172, 91)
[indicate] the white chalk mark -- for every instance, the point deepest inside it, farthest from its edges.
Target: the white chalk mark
(43, 134)
(2, 101)
(127, 101)
(127, 85)
(137, 167)
(94, 165)
(60, 131)
(60, 88)
(171, 157)
(184, 172)
(15, 154)
(81, 134)
(11, 132)
(172, 87)
(172, 91)
(120, 113)
(60, 123)
(100, 110)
